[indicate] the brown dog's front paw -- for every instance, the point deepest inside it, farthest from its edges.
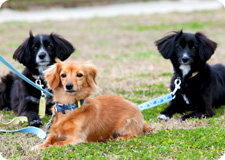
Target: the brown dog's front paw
(39, 147)
(35, 148)
(147, 129)
(59, 143)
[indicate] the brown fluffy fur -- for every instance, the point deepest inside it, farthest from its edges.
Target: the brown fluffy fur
(98, 119)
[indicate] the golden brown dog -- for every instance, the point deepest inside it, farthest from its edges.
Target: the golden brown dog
(98, 119)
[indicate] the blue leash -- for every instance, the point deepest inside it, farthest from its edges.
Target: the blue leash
(39, 132)
(22, 76)
(162, 99)
(156, 102)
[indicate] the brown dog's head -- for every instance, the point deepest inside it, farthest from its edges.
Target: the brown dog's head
(72, 78)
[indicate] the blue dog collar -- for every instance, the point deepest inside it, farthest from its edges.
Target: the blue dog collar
(72, 106)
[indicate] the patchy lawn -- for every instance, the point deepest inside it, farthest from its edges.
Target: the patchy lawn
(129, 65)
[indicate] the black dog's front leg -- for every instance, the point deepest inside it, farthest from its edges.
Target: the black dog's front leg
(177, 105)
(195, 114)
(201, 109)
(29, 108)
(33, 118)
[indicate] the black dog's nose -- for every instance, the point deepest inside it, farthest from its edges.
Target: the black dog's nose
(42, 55)
(185, 59)
(69, 86)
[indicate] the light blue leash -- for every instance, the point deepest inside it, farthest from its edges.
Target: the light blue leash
(41, 134)
(162, 99)
(22, 76)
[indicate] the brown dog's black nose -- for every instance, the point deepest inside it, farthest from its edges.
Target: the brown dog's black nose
(69, 86)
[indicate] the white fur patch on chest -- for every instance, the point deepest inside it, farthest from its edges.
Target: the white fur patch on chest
(185, 69)
(42, 68)
(185, 99)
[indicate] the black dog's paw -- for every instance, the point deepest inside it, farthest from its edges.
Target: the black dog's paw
(6, 109)
(196, 115)
(183, 118)
(163, 117)
(36, 123)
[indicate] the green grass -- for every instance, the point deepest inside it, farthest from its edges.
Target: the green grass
(129, 65)
(126, 57)
(163, 144)
(136, 56)
(192, 25)
(201, 143)
(145, 75)
(147, 90)
(25, 4)
(13, 44)
(166, 74)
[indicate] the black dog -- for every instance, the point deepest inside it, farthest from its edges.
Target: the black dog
(202, 85)
(36, 53)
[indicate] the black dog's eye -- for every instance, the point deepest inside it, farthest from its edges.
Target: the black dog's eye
(193, 48)
(35, 48)
(49, 46)
(179, 48)
(79, 75)
(63, 75)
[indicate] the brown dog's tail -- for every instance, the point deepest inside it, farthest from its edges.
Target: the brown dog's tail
(147, 128)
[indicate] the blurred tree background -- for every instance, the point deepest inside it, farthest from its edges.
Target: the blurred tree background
(43, 4)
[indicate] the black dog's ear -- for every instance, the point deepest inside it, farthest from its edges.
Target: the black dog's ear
(206, 46)
(31, 34)
(63, 48)
(23, 52)
(166, 45)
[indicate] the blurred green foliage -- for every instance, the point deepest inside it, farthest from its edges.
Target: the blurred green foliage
(29, 4)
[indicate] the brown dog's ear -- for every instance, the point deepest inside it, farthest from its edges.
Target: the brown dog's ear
(58, 61)
(92, 73)
(52, 75)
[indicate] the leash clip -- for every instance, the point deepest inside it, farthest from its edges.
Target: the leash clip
(177, 83)
(38, 82)
(48, 125)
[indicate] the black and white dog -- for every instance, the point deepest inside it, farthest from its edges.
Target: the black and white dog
(36, 53)
(202, 85)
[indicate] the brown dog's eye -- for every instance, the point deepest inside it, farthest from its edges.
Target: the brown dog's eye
(63, 75)
(79, 75)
